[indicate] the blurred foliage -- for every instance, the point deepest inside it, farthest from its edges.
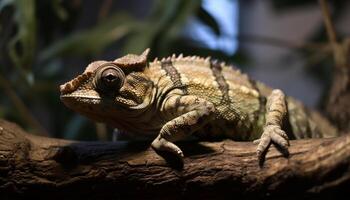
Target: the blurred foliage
(39, 41)
(90, 42)
(318, 60)
(24, 38)
(45, 43)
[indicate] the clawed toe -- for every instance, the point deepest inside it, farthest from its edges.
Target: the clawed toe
(272, 134)
(161, 144)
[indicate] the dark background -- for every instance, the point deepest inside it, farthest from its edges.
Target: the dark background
(46, 43)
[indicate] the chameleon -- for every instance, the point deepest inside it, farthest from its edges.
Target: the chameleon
(178, 97)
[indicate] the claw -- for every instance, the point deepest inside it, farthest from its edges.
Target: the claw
(161, 144)
(180, 154)
(272, 134)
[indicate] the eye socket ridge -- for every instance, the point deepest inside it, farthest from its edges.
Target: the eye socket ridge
(109, 78)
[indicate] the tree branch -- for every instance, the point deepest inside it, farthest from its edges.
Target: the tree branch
(54, 168)
(338, 101)
(332, 36)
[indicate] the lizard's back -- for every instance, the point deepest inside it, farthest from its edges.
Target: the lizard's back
(239, 100)
(239, 106)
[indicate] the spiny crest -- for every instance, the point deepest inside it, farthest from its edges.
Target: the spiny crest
(180, 57)
(72, 85)
(132, 62)
(190, 58)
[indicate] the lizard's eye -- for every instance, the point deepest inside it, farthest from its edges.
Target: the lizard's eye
(109, 78)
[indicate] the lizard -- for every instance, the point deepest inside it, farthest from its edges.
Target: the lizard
(177, 97)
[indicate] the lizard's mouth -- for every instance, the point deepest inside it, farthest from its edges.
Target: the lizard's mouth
(90, 104)
(82, 97)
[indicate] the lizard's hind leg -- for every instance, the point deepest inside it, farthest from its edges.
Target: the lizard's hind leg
(189, 113)
(275, 112)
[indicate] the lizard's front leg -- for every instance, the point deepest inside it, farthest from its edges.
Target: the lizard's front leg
(188, 113)
(275, 111)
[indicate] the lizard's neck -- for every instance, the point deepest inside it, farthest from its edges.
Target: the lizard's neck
(140, 118)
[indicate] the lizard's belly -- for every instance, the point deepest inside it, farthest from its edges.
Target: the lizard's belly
(139, 129)
(236, 126)
(219, 129)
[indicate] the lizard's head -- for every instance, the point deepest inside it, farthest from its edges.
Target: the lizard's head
(109, 90)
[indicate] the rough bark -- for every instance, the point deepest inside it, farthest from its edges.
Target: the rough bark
(60, 169)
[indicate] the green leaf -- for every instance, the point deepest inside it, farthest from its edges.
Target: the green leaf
(91, 41)
(164, 25)
(23, 45)
(143, 36)
(59, 9)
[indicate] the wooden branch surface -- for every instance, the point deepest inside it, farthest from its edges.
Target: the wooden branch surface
(33, 166)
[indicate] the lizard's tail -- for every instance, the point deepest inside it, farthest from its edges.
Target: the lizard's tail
(308, 124)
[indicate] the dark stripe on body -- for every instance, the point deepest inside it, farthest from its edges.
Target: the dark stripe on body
(227, 126)
(220, 79)
(139, 78)
(262, 99)
(174, 75)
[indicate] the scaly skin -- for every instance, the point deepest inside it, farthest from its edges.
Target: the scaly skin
(171, 99)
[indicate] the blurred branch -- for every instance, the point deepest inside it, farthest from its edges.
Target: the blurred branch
(266, 40)
(339, 52)
(24, 113)
(338, 102)
(247, 38)
(328, 22)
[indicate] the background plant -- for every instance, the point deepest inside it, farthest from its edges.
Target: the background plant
(43, 44)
